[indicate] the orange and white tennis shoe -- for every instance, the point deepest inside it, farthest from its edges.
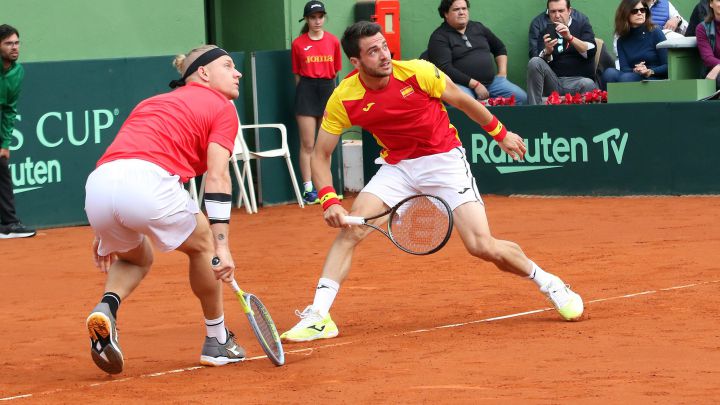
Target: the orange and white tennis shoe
(104, 347)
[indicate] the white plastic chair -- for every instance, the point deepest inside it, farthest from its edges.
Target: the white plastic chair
(242, 153)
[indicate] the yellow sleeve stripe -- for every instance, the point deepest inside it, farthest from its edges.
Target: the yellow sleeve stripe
(497, 129)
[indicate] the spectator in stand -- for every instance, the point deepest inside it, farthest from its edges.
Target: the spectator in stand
(708, 45)
(638, 37)
(665, 15)
(699, 13)
(468, 52)
(539, 24)
(566, 53)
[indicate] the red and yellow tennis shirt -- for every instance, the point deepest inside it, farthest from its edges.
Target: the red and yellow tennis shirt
(407, 117)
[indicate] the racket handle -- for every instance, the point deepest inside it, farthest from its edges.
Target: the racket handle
(234, 285)
(354, 220)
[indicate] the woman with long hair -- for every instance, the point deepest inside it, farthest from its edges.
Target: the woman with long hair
(708, 45)
(316, 61)
(636, 45)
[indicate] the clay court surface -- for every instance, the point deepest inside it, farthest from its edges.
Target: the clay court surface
(412, 329)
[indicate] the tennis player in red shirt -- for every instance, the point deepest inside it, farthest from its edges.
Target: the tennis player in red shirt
(135, 196)
(401, 104)
(316, 61)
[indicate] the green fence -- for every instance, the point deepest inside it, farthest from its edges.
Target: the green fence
(658, 148)
(69, 113)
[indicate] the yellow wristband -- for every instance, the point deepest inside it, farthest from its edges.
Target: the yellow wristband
(327, 196)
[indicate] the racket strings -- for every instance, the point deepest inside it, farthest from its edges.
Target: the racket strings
(421, 224)
(265, 325)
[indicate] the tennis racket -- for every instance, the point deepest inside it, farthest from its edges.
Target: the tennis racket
(260, 322)
(420, 224)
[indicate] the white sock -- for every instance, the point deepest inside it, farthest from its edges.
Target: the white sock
(325, 295)
(308, 185)
(539, 276)
(216, 328)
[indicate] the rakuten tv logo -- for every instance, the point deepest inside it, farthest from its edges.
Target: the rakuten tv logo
(550, 153)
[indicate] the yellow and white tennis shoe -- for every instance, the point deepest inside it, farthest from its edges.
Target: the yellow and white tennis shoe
(312, 326)
(568, 303)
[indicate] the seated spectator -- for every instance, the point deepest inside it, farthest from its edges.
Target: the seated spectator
(665, 15)
(537, 29)
(468, 52)
(698, 15)
(637, 40)
(566, 52)
(539, 24)
(707, 34)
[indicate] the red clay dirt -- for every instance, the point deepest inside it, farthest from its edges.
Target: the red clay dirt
(646, 267)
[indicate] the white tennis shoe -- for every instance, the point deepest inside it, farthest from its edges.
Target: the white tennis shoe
(568, 303)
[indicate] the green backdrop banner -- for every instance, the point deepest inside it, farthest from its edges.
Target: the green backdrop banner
(603, 149)
(69, 112)
(275, 93)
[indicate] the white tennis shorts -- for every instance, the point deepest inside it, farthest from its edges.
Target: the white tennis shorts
(446, 175)
(126, 199)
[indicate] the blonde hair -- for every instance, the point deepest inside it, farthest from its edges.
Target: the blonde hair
(183, 61)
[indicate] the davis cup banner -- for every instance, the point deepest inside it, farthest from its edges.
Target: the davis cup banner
(69, 112)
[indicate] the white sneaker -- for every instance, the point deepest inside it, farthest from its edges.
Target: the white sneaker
(567, 302)
(312, 326)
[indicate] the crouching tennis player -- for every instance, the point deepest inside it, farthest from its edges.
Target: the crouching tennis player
(135, 196)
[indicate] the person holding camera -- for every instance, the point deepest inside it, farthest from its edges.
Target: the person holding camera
(565, 55)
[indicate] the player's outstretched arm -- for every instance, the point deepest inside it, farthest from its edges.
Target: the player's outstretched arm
(218, 201)
(325, 144)
(509, 142)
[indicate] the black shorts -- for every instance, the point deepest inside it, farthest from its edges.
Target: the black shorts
(311, 96)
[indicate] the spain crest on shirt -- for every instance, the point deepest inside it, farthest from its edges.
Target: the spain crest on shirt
(406, 91)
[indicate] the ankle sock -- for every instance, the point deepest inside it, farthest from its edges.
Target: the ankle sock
(216, 328)
(113, 301)
(540, 276)
(325, 295)
(308, 186)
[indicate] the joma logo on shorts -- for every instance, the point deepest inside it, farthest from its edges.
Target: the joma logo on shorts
(549, 153)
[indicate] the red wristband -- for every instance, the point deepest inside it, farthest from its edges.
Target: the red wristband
(496, 129)
(328, 197)
(570, 40)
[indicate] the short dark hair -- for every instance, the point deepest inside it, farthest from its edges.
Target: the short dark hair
(6, 31)
(444, 6)
(351, 38)
(547, 6)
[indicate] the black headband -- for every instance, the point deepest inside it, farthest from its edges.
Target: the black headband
(202, 60)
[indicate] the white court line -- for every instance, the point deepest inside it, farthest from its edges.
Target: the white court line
(310, 350)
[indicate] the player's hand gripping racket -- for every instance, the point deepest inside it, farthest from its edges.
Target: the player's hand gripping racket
(420, 224)
(260, 322)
